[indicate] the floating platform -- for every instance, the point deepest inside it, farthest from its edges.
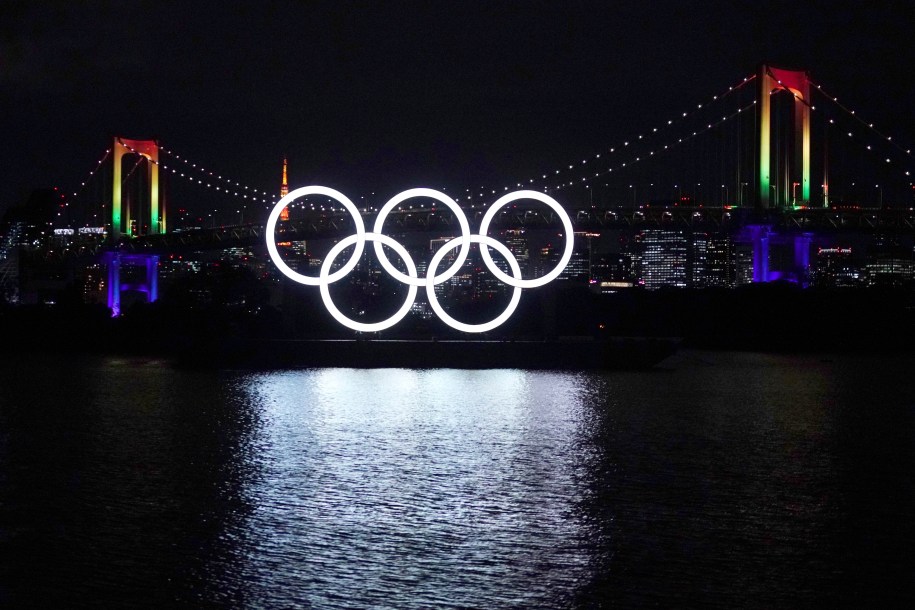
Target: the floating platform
(612, 353)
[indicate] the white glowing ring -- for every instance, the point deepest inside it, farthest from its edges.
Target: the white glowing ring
(462, 220)
(443, 315)
(325, 277)
(566, 223)
(271, 234)
(325, 282)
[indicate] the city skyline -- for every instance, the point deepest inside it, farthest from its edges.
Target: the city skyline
(411, 304)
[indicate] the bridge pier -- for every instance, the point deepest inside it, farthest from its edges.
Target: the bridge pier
(759, 238)
(802, 243)
(762, 237)
(149, 285)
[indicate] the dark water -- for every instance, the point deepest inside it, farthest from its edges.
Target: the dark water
(719, 480)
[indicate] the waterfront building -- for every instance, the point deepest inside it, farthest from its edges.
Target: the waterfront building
(889, 263)
(437, 244)
(835, 268)
(688, 259)
(660, 258)
(612, 266)
(743, 262)
(727, 263)
(177, 266)
(294, 253)
(517, 243)
(547, 258)
(889, 270)
(697, 270)
(93, 290)
(721, 271)
(579, 265)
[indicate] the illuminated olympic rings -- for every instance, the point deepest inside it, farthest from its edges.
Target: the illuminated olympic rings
(326, 278)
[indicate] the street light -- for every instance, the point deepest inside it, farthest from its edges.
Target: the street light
(794, 193)
(724, 202)
(633, 195)
(880, 195)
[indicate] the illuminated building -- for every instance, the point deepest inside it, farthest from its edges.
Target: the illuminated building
(611, 273)
(579, 265)
(473, 282)
(548, 256)
(888, 262)
(835, 269)
(177, 266)
(517, 243)
(436, 244)
(461, 282)
(685, 259)
(743, 260)
(727, 264)
(284, 190)
(295, 254)
(244, 253)
(720, 268)
(660, 258)
(889, 271)
(93, 284)
(697, 271)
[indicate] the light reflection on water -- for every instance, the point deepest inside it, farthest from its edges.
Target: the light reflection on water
(419, 488)
(719, 480)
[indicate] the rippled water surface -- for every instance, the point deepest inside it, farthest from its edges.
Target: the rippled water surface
(715, 480)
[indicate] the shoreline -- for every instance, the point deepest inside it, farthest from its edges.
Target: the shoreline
(568, 354)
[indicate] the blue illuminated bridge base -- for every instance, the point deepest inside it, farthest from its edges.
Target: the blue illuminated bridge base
(612, 353)
(148, 285)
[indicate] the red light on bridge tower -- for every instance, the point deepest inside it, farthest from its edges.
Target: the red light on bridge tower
(797, 83)
(121, 223)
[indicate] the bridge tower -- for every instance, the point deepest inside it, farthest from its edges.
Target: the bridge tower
(121, 221)
(797, 83)
(121, 225)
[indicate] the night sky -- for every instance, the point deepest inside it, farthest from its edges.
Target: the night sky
(382, 96)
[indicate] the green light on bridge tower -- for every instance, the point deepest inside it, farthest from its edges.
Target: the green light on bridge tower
(797, 83)
(120, 218)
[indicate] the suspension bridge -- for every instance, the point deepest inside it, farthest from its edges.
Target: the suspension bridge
(773, 157)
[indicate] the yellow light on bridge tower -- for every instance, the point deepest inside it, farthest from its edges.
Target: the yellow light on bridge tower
(284, 190)
(149, 149)
(796, 82)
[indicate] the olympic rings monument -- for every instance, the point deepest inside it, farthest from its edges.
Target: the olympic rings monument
(474, 353)
(411, 279)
